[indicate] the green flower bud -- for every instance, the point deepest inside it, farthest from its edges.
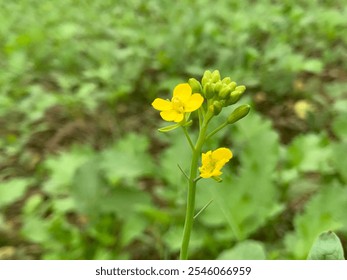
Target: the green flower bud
(232, 86)
(215, 76)
(234, 97)
(241, 88)
(211, 109)
(195, 85)
(208, 91)
(206, 77)
(239, 113)
(217, 87)
(217, 106)
(224, 92)
(226, 81)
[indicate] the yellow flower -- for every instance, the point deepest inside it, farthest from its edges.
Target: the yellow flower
(213, 161)
(183, 101)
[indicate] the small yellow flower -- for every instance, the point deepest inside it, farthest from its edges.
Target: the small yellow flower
(183, 101)
(213, 161)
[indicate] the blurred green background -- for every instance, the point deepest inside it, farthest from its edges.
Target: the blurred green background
(84, 173)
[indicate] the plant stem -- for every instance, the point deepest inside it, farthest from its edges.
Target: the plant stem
(216, 130)
(188, 224)
(188, 138)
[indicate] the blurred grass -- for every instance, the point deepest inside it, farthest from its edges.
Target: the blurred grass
(76, 82)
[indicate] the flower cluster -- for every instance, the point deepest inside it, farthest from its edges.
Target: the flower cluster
(209, 97)
(218, 92)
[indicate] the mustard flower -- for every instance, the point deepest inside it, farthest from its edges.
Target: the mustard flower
(213, 161)
(183, 101)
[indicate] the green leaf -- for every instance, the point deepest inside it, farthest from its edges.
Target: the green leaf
(132, 229)
(169, 127)
(313, 66)
(340, 162)
(127, 159)
(310, 153)
(62, 168)
(340, 125)
(88, 187)
(118, 202)
(36, 230)
(246, 250)
(326, 247)
(12, 190)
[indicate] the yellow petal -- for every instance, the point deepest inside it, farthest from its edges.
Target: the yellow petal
(193, 103)
(205, 175)
(183, 92)
(161, 104)
(222, 154)
(179, 117)
(215, 173)
(171, 115)
(205, 158)
(168, 115)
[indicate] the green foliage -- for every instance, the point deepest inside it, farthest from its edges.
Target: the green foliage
(105, 192)
(325, 211)
(12, 190)
(246, 250)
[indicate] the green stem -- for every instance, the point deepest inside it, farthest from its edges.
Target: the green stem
(216, 130)
(188, 224)
(188, 137)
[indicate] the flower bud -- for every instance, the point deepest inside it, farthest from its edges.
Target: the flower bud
(217, 107)
(206, 77)
(234, 97)
(208, 91)
(224, 92)
(215, 76)
(195, 85)
(211, 109)
(241, 88)
(232, 86)
(226, 81)
(239, 113)
(217, 87)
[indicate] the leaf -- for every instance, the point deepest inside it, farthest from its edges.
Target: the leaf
(340, 125)
(310, 153)
(327, 246)
(313, 66)
(169, 127)
(132, 229)
(62, 168)
(88, 187)
(246, 250)
(340, 162)
(127, 159)
(124, 202)
(36, 230)
(12, 190)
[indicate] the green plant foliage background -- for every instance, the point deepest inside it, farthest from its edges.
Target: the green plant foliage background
(84, 174)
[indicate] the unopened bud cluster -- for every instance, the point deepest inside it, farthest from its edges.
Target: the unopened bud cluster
(220, 93)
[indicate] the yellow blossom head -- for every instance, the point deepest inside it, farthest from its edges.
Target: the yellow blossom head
(213, 161)
(183, 101)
